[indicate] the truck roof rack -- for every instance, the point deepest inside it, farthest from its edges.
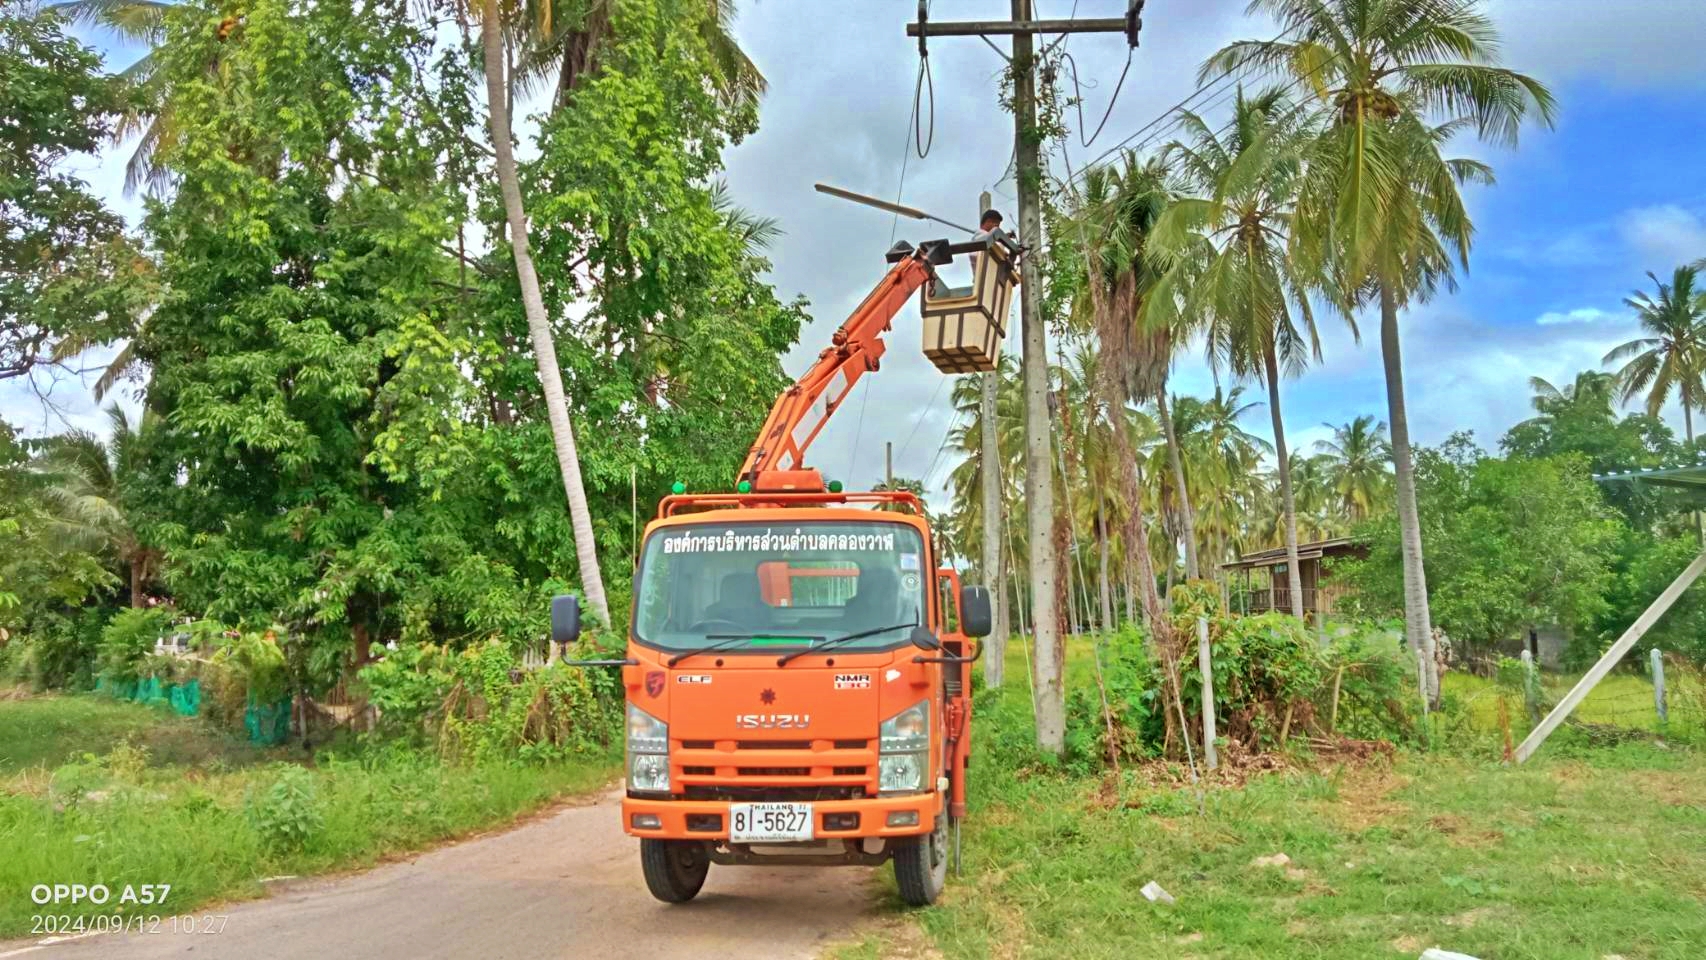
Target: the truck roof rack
(680, 503)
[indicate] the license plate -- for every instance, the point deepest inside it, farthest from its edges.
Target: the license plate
(765, 822)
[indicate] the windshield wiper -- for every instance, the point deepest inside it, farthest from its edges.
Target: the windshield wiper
(724, 642)
(782, 661)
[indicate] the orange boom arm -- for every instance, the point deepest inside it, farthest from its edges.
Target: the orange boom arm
(777, 460)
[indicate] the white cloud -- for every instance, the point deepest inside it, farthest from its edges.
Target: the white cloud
(1578, 315)
(1648, 44)
(1665, 235)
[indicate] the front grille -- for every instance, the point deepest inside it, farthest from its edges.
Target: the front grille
(700, 771)
(849, 771)
(773, 745)
(807, 794)
(775, 771)
(852, 744)
(699, 744)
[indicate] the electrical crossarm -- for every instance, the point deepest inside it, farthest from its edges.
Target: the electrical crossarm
(776, 463)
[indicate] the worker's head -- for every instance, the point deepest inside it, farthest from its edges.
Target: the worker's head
(991, 220)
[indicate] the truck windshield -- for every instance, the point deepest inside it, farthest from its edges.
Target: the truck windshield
(777, 581)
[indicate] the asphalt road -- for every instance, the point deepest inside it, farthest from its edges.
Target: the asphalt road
(566, 885)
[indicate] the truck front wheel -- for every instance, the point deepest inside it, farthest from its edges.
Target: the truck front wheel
(921, 866)
(675, 869)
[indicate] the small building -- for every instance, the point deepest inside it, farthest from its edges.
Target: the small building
(1258, 582)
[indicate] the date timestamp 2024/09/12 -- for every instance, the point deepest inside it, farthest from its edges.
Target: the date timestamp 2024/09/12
(48, 924)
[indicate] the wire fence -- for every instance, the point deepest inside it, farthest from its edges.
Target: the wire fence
(1662, 696)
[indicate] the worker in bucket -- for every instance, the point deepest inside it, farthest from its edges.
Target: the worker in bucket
(988, 228)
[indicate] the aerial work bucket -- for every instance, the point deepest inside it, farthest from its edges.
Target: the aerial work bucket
(963, 327)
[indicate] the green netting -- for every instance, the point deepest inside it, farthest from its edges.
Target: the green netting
(185, 697)
(118, 690)
(150, 690)
(268, 723)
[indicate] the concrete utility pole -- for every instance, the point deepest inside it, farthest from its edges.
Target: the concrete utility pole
(1050, 691)
(994, 661)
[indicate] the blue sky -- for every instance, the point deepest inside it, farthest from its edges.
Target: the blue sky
(1579, 212)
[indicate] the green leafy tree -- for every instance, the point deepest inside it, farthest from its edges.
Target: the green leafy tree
(1514, 542)
(1379, 206)
(66, 268)
(1580, 418)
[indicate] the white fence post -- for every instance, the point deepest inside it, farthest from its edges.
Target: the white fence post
(1659, 685)
(1207, 694)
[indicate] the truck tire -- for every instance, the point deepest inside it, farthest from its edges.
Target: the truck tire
(675, 869)
(921, 866)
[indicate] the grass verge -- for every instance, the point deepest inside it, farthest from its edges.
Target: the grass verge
(116, 793)
(1585, 853)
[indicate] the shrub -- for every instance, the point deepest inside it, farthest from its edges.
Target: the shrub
(1376, 685)
(127, 643)
(481, 704)
(1134, 705)
(287, 814)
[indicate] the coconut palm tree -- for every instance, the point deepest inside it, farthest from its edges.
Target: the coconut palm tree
(84, 479)
(1114, 214)
(568, 50)
(1247, 286)
(1671, 358)
(496, 61)
(150, 120)
(1591, 389)
(1356, 462)
(1379, 206)
(1225, 463)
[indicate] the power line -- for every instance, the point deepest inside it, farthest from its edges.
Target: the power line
(1216, 86)
(922, 413)
(1178, 115)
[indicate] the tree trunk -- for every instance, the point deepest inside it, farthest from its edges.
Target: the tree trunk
(1102, 560)
(1293, 576)
(1177, 464)
(1418, 630)
(538, 325)
(989, 452)
(137, 563)
(1136, 532)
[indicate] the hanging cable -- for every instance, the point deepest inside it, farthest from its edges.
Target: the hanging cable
(1215, 87)
(1078, 96)
(925, 83)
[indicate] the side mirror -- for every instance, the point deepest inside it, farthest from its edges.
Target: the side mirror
(975, 613)
(565, 619)
(923, 639)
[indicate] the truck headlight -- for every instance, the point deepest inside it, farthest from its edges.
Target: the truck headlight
(903, 746)
(648, 772)
(648, 752)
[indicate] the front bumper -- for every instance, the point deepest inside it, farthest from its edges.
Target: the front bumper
(673, 817)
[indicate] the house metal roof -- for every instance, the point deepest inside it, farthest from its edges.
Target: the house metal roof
(1312, 550)
(1692, 477)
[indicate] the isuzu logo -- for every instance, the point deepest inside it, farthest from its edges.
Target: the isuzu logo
(773, 721)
